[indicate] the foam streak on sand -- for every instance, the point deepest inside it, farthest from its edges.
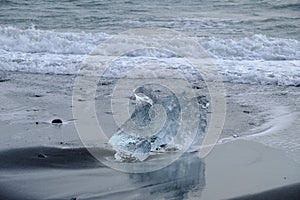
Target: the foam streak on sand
(279, 130)
(280, 118)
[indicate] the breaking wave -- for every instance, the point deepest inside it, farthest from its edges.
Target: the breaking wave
(257, 59)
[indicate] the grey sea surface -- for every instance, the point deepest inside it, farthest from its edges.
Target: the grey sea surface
(229, 18)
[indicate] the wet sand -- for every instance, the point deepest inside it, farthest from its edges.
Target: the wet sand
(39, 160)
(242, 168)
(287, 192)
(232, 170)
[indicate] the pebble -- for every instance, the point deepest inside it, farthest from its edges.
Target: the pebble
(57, 121)
(196, 87)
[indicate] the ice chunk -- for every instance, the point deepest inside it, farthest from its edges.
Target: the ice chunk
(136, 146)
(130, 148)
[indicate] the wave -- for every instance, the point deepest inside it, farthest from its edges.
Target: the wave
(256, 47)
(291, 6)
(43, 41)
(257, 59)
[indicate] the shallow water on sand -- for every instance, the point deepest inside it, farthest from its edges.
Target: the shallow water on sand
(57, 173)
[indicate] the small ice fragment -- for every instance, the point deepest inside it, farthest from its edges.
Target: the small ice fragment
(41, 155)
(139, 98)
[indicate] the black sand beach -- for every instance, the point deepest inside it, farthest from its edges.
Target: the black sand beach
(39, 160)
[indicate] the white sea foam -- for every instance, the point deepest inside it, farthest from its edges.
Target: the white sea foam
(257, 59)
(42, 41)
(256, 47)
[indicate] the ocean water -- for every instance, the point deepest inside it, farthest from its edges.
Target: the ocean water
(250, 41)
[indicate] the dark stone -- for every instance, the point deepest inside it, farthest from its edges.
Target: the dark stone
(57, 121)
(152, 139)
(36, 123)
(106, 83)
(196, 87)
(246, 111)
